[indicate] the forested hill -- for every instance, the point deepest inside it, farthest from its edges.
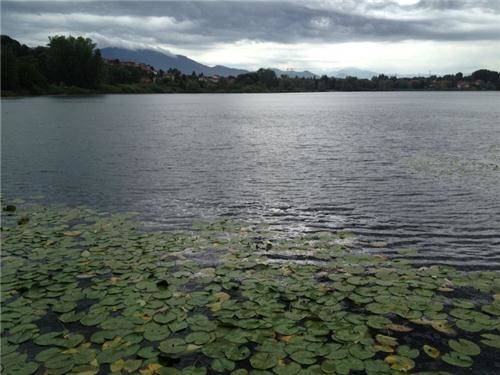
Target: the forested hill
(73, 65)
(165, 61)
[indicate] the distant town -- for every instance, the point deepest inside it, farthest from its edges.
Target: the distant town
(479, 80)
(73, 65)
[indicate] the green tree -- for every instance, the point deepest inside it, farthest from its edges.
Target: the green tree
(267, 77)
(74, 61)
(10, 73)
(486, 75)
(30, 76)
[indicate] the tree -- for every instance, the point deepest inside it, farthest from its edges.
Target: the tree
(10, 73)
(486, 75)
(267, 77)
(74, 61)
(30, 76)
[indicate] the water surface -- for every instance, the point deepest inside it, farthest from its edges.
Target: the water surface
(415, 169)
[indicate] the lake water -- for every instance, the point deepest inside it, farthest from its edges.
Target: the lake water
(415, 169)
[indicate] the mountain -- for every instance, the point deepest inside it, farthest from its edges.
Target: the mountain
(165, 60)
(160, 60)
(353, 72)
(293, 73)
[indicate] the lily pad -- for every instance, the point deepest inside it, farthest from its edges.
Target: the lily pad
(263, 361)
(491, 340)
(431, 351)
(464, 346)
(172, 346)
(457, 359)
(222, 365)
(400, 363)
(304, 357)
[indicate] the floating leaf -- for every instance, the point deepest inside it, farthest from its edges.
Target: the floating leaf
(400, 363)
(399, 328)
(151, 369)
(222, 365)
(172, 346)
(361, 352)
(263, 361)
(377, 322)
(464, 346)
(282, 368)
(156, 332)
(431, 351)
(443, 327)
(304, 357)
(386, 340)
(406, 351)
(457, 359)
(491, 340)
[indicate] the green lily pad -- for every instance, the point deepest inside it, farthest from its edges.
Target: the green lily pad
(345, 365)
(93, 319)
(63, 339)
(156, 332)
(147, 352)
(491, 340)
(172, 346)
(464, 346)
(377, 322)
(263, 361)
(199, 338)
(222, 365)
(457, 359)
(304, 357)
(406, 351)
(192, 370)
(328, 367)
(361, 351)
(236, 353)
(376, 367)
(291, 368)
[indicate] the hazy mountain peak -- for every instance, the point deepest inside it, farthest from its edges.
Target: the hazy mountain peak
(165, 61)
(353, 72)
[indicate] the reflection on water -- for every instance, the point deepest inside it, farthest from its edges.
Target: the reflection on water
(414, 169)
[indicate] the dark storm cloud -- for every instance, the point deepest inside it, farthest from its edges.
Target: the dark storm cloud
(201, 24)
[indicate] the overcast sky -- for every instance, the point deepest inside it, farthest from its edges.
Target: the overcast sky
(391, 36)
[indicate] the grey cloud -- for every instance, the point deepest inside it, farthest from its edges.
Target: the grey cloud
(487, 5)
(201, 24)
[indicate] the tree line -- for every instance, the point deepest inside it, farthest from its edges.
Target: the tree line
(70, 64)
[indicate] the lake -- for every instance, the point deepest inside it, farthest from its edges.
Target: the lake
(414, 169)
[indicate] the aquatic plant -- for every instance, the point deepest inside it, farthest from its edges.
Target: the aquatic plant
(86, 292)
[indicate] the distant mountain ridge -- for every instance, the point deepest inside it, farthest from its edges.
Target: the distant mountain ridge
(165, 61)
(353, 72)
(293, 73)
(160, 60)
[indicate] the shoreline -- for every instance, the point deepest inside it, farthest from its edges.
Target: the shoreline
(96, 93)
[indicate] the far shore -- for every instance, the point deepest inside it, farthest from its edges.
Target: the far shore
(147, 89)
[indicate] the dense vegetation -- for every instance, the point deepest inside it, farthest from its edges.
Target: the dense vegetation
(87, 293)
(74, 65)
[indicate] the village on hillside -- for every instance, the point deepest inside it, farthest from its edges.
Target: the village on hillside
(152, 75)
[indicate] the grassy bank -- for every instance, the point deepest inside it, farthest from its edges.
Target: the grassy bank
(85, 292)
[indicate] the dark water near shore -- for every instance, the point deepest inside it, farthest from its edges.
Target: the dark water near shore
(418, 170)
